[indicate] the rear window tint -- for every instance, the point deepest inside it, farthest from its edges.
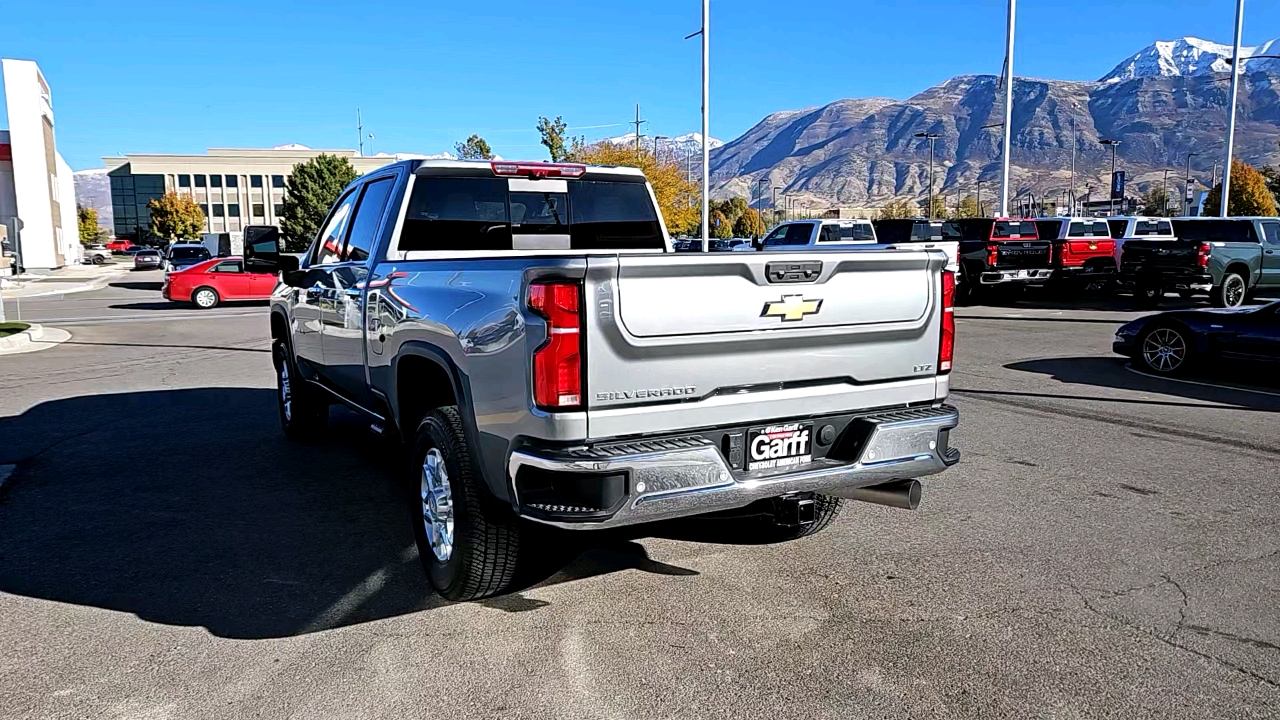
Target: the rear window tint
(1084, 228)
(1220, 230)
(1152, 227)
(458, 214)
(857, 232)
(1050, 229)
(1005, 229)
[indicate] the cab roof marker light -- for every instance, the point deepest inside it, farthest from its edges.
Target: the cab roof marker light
(538, 169)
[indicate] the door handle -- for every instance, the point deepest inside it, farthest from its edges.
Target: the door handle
(1271, 252)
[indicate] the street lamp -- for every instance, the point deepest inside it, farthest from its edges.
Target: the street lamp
(1186, 195)
(930, 137)
(1224, 198)
(1113, 144)
(1008, 109)
(705, 32)
(656, 138)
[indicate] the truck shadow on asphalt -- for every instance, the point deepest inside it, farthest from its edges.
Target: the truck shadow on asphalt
(188, 507)
(156, 286)
(1115, 373)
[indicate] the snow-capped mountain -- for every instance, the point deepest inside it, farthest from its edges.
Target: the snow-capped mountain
(93, 190)
(680, 145)
(1190, 56)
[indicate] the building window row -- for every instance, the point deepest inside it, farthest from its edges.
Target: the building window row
(217, 181)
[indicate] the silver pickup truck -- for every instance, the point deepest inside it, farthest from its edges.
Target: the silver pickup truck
(526, 331)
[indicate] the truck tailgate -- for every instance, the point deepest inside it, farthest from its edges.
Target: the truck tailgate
(1157, 255)
(1022, 254)
(686, 341)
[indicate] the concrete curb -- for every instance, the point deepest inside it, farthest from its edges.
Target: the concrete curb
(33, 339)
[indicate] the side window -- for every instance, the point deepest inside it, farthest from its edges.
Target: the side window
(1272, 232)
(457, 214)
(829, 233)
(230, 266)
(1164, 227)
(368, 217)
(329, 247)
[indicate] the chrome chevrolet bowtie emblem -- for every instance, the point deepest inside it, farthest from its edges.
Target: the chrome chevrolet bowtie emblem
(791, 308)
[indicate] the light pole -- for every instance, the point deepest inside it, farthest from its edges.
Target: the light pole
(1186, 194)
(1008, 109)
(930, 137)
(705, 32)
(1224, 198)
(656, 138)
(1075, 140)
(979, 198)
(1113, 144)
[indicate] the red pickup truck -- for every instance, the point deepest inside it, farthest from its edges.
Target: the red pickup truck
(119, 245)
(1083, 251)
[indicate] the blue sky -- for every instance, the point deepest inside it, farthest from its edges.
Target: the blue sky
(143, 76)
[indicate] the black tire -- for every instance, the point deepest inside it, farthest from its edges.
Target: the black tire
(98, 260)
(1165, 349)
(484, 552)
(205, 297)
(969, 291)
(304, 411)
(1231, 292)
(1148, 296)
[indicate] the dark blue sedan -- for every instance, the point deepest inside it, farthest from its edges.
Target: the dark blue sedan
(1175, 342)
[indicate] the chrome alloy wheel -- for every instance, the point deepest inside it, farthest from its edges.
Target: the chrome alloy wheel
(286, 391)
(1164, 350)
(206, 298)
(1233, 290)
(437, 505)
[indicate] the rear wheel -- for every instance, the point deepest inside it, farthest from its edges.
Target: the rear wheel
(469, 547)
(303, 411)
(1231, 293)
(205, 298)
(1165, 350)
(98, 259)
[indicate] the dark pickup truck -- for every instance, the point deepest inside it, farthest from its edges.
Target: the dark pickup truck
(1228, 257)
(1001, 251)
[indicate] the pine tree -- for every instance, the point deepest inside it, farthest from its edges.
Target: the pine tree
(310, 191)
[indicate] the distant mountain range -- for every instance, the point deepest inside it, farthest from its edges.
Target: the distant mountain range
(93, 190)
(1162, 103)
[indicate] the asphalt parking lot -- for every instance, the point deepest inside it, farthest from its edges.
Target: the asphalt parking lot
(1109, 547)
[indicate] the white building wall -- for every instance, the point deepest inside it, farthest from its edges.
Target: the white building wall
(27, 105)
(71, 248)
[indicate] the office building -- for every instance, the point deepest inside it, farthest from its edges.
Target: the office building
(234, 187)
(37, 191)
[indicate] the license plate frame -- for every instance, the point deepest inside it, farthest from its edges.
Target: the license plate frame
(782, 445)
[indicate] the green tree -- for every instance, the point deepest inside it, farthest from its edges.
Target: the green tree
(175, 216)
(967, 208)
(898, 209)
(310, 191)
(552, 132)
(1249, 194)
(721, 226)
(1155, 201)
(749, 225)
(474, 148)
(87, 219)
(939, 210)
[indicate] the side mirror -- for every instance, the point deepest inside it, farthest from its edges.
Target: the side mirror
(262, 251)
(294, 278)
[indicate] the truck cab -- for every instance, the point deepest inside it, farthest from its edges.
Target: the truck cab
(1224, 257)
(801, 234)
(922, 234)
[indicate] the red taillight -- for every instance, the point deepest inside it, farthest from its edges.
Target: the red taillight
(947, 346)
(557, 365)
(1202, 256)
(992, 251)
(538, 169)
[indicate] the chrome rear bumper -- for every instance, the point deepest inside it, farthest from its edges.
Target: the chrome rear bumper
(695, 478)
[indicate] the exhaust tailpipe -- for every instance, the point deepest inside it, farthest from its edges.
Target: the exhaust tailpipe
(903, 494)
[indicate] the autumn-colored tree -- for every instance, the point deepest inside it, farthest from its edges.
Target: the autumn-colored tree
(1249, 194)
(939, 210)
(175, 216)
(474, 148)
(750, 225)
(899, 209)
(966, 208)
(677, 197)
(87, 220)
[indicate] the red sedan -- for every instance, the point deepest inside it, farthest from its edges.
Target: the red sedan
(208, 283)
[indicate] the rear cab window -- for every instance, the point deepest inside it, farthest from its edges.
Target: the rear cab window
(477, 213)
(1088, 229)
(1013, 229)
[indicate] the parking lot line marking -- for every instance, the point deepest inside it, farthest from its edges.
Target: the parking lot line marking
(1237, 388)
